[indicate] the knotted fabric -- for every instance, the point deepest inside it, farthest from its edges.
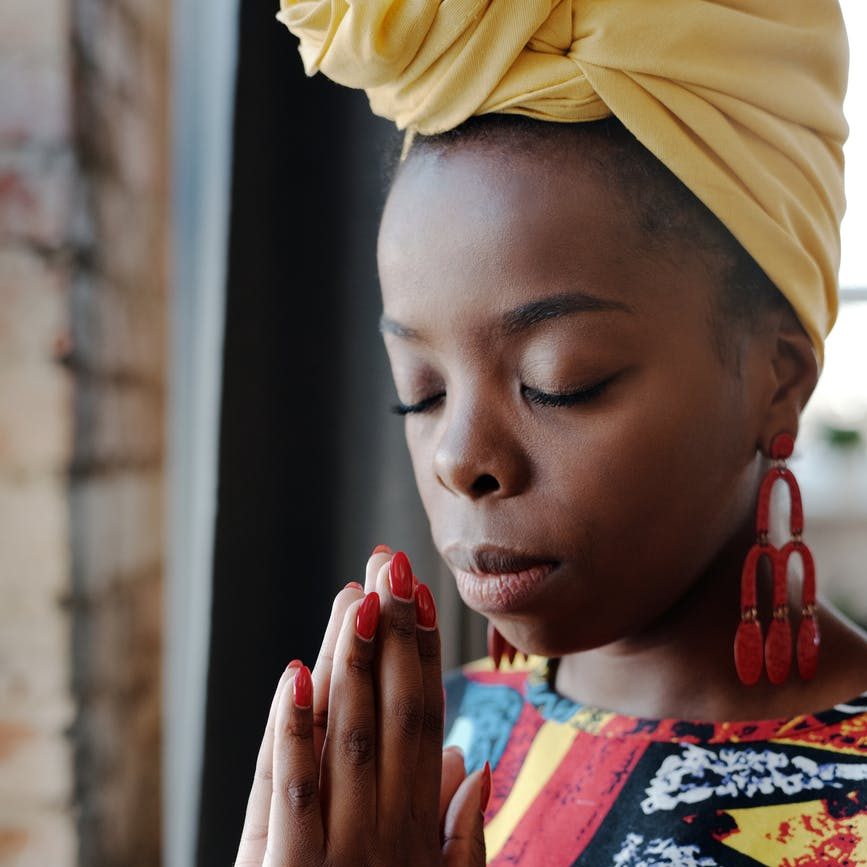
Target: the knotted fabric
(741, 99)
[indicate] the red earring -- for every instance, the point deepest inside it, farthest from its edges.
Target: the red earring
(498, 647)
(777, 648)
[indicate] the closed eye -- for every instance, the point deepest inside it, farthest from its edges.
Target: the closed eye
(422, 406)
(540, 398)
(571, 398)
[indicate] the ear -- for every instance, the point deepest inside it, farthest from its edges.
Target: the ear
(793, 373)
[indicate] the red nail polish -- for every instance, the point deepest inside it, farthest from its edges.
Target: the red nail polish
(355, 585)
(485, 791)
(303, 689)
(381, 549)
(425, 607)
(510, 653)
(400, 576)
(495, 645)
(296, 663)
(367, 617)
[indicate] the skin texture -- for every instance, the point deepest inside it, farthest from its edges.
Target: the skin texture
(355, 773)
(644, 495)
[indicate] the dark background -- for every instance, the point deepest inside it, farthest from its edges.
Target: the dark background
(313, 468)
(303, 228)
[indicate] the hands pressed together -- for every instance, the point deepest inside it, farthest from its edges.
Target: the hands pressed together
(351, 769)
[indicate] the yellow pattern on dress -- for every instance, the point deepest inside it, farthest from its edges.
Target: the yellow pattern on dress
(787, 835)
(549, 748)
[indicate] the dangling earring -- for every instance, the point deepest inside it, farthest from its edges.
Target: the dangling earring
(498, 647)
(777, 649)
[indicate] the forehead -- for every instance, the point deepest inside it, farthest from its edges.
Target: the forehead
(476, 229)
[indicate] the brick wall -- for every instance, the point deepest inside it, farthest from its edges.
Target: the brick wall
(83, 217)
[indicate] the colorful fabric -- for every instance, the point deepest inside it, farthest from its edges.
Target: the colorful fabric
(575, 785)
(743, 100)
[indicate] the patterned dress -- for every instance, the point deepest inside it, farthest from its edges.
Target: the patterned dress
(576, 785)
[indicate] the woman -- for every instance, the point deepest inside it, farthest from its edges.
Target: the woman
(608, 262)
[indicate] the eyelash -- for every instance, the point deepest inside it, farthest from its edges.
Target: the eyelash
(540, 398)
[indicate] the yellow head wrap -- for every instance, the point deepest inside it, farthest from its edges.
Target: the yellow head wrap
(741, 99)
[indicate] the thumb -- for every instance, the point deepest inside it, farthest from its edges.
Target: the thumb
(463, 835)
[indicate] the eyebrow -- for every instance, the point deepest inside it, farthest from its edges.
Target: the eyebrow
(534, 312)
(527, 315)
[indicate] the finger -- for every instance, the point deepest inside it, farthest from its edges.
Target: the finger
(454, 773)
(349, 758)
(401, 698)
(426, 791)
(295, 830)
(254, 836)
(380, 556)
(464, 836)
(322, 670)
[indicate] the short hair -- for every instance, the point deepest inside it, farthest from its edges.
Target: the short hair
(666, 210)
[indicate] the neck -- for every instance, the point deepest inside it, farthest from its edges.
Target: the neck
(682, 665)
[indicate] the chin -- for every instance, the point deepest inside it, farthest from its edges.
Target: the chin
(542, 638)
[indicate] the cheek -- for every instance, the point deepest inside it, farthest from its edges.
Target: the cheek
(658, 472)
(677, 483)
(421, 446)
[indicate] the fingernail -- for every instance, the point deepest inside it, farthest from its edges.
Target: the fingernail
(495, 645)
(381, 549)
(400, 577)
(296, 663)
(425, 607)
(485, 792)
(303, 689)
(367, 617)
(510, 653)
(354, 584)
(454, 748)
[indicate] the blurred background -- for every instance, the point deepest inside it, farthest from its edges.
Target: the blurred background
(195, 444)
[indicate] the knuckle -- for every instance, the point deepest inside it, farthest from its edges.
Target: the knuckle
(474, 841)
(403, 628)
(264, 774)
(297, 730)
(359, 665)
(301, 795)
(409, 715)
(254, 832)
(358, 746)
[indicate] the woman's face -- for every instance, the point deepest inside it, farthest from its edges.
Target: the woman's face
(581, 452)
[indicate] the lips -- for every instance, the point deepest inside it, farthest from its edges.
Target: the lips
(492, 579)
(493, 561)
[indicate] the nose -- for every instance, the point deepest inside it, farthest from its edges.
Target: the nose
(479, 455)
